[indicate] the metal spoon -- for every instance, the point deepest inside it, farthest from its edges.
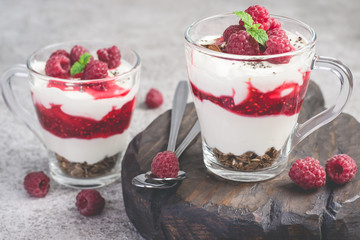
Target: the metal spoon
(179, 104)
(144, 181)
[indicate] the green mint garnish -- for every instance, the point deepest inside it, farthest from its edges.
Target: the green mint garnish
(253, 29)
(246, 18)
(79, 66)
(258, 34)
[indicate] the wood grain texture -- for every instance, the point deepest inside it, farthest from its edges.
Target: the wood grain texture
(204, 206)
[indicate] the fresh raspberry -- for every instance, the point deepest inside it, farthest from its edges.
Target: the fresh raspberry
(230, 30)
(95, 70)
(89, 202)
(37, 184)
(274, 23)
(260, 15)
(76, 52)
(277, 32)
(58, 66)
(110, 55)
(165, 164)
(242, 43)
(277, 45)
(341, 168)
(154, 98)
(60, 52)
(307, 173)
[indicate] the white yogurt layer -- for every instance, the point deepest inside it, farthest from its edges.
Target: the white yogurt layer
(76, 103)
(230, 132)
(86, 150)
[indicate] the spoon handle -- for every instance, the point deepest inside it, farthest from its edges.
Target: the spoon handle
(179, 104)
(188, 139)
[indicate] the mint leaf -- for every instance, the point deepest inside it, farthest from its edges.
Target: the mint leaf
(256, 25)
(257, 33)
(79, 66)
(84, 59)
(76, 68)
(245, 17)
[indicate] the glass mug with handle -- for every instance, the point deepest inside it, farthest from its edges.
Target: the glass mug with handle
(248, 106)
(84, 124)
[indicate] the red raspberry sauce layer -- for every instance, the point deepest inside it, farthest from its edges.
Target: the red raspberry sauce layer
(258, 103)
(57, 122)
(63, 125)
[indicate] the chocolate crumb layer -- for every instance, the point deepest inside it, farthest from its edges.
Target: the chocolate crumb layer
(85, 170)
(248, 161)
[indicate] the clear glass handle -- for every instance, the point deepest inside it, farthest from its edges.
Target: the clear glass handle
(346, 79)
(13, 104)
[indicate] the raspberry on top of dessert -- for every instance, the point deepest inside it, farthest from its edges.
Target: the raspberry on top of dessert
(79, 63)
(256, 34)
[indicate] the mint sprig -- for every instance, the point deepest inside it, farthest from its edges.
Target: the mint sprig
(257, 33)
(79, 66)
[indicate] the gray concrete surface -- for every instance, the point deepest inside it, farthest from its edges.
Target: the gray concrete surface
(155, 29)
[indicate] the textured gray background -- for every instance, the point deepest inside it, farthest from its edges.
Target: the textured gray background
(155, 30)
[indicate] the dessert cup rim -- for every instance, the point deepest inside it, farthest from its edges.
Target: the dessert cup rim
(135, 67)
(308, 46)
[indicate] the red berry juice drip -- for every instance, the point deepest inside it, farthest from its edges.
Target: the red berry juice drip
(63, 125)
(258, 103)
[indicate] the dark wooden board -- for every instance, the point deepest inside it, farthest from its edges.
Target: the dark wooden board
(207, 207)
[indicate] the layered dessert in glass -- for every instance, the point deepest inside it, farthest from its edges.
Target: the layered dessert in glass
(247, 96)
(85, 116)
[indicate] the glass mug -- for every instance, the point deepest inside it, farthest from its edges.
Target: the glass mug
(248, 106)
(83, 123)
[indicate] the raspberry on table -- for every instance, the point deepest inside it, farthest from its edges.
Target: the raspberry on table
(60, 52)
(95, 70)
(260, 15)
(154, 98)
(341, 168)
(307, 173)
(37, 184)
(58, 66)
(276, 45)
(110, 55)
(165, 165)
(230, 30)
(89, 202)
(242, 43)
(76, 52)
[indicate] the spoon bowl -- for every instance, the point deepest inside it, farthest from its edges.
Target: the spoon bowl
(147, 180)
(143, 182)
(181, 176)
